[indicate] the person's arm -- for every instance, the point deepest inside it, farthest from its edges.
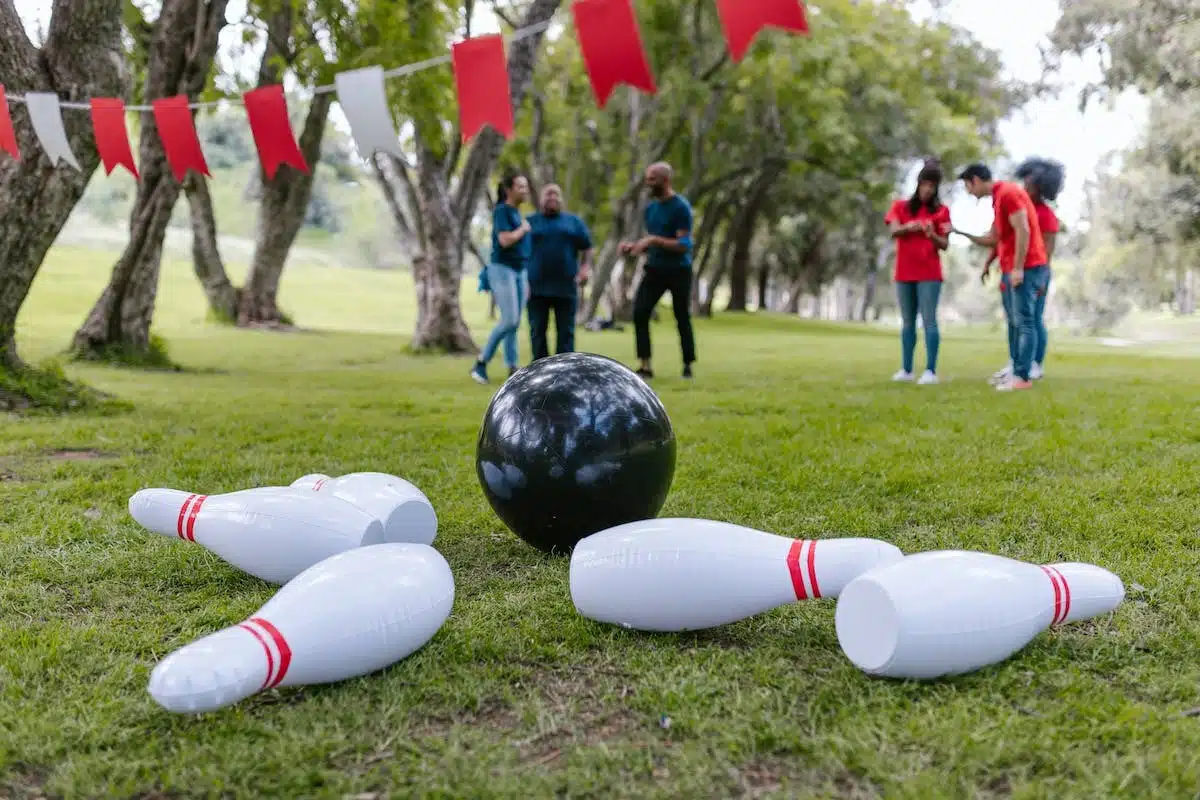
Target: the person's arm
(987, 240)
(939, 230)
(682, 241)
(505, 232)
(1020, 222)
(1049, 239)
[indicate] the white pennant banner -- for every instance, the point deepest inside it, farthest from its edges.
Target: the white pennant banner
(360, 91)
(46, 116)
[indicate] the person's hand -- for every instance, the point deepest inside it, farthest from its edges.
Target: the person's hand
(641, 245)
(1017, 277)
(585, 272)
(625, 248)
(524, 226)
(987, 271)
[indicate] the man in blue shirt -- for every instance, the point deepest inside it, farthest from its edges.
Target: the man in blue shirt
(668, 268)
(555, 272)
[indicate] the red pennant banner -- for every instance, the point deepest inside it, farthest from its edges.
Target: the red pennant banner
(612, 47)
(8, 137)
(112, 137)
(481, 78)
(743, 19)
(268, 113)
(177, 131)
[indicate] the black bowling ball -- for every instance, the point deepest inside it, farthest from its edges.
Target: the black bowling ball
(572, 445)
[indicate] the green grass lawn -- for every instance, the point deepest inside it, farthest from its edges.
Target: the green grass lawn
(790, 427)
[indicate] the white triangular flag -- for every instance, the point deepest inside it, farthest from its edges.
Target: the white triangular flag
(47, 120)
(360, 91)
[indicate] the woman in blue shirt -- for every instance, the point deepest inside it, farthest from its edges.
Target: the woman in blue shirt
(511, 250)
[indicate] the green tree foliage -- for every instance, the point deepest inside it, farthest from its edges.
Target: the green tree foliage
(818, 130)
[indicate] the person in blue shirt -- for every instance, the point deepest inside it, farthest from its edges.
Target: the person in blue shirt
(506, 272)
(668, 267)
(556, 272)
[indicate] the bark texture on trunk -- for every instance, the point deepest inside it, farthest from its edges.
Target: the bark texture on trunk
(222, 295)
(744, 226)
(446, 216)
(281, 212)
(181, 53)
(82, 57)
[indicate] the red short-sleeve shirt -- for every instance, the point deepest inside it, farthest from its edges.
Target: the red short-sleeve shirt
(917, 257)
(1007, 199)
(1047, 219)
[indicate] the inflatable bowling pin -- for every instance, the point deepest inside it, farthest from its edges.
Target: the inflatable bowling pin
(951, 612)
(273, 533)
(690, 574)
(350, 615)
(405, 511)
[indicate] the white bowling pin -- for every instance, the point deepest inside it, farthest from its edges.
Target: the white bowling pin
(405, 511)
(273, 533)
(350, 615)
(309, 481)
(950, 612)
(690, 574)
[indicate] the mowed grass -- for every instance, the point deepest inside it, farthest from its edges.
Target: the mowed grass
(790, 427)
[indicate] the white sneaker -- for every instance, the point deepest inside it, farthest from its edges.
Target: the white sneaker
(1000, 376)
(903, 376)
(927, 378)
(1035, 372)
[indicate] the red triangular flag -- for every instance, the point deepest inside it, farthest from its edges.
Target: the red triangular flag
(268, 113)
(8, 137)
(481, 77)
(177, 131)
(743, 19)
(612, 47)
(112, 137)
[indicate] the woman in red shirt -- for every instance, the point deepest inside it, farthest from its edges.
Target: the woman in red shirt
(921, 227)
(1043, 180)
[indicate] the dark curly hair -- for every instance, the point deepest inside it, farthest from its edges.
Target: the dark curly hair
(1045, 174)
(931, 171)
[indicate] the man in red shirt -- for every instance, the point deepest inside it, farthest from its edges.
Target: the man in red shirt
(1017, 238)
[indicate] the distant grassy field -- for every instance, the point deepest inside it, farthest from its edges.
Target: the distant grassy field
(790, 427)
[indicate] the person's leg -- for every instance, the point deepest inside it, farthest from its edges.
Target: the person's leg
(1039, 323)
(1022, 304)
(565, 309)
(539, 323)
(928, 293)
(649, 292)
(511, 353)
(504, 285)
(906, 296)
(1010, 331)
(681, 304)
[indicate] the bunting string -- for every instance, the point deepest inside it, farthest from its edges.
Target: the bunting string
(609, 37)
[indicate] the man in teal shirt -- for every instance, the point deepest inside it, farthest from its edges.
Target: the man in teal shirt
(668, 267)
(555, 272)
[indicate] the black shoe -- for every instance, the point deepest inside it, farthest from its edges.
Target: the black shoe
(512, 371)
(687, 371)
(645, 374)
(479, 372)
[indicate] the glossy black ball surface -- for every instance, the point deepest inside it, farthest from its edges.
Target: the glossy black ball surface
(571, 445)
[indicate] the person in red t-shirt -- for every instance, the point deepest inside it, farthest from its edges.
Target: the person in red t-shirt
(921, 226)
(1022, 253)
(1043, 180)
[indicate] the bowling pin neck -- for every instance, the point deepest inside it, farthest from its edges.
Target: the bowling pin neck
(1082, 591)
(217, 670)
(169, 512)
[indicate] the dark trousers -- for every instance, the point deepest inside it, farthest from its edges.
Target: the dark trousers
(655, 283)
(539, 324)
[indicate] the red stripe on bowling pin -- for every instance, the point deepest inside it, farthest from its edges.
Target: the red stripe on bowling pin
(185, 524)
(281, 645)
(809, 570)
(1062, 594)
(317, 486)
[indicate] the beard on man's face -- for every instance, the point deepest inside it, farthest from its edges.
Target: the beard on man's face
(551, 209)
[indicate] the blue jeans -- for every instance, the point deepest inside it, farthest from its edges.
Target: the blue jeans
(1039, 320)
(914, 297)
(508, 287)
(1021, 308)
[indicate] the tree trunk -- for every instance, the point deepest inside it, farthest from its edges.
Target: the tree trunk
(222, 296)
(446, 218)
(764, 279)
(82, 57)
(181, 54)
(744, 227)
(280, 216)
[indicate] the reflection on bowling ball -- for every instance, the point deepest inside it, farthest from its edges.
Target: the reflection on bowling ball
(571, 445)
